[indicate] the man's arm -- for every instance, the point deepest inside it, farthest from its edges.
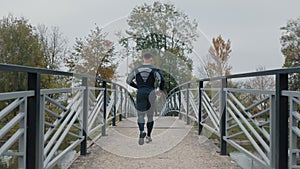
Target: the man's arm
(161, 82)
(130, 78)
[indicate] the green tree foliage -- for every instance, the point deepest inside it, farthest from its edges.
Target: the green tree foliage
(94, 55)
(19, 44)
(290, 48)
(171, 32)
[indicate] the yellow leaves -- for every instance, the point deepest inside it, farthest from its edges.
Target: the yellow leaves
(219, 55)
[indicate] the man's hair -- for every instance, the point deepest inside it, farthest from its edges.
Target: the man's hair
(147, 55)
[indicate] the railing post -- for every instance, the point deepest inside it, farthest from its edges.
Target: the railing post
(104, 108)
(35, 125)
(281, 123)
(83, 146)
(22, 141)
(188, 103)
(223, 143)
(180, 106)
(121, 103)
(293, 121)
(272, 154)
(126, 103)
(169, 107)
(175, 103)
(114, 106)
(200, 127)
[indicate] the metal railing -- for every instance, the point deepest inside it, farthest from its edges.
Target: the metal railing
(294, 121)
(39, 126)
(263, 124)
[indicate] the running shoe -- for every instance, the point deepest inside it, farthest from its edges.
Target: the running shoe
(148, 139)
(141, 138)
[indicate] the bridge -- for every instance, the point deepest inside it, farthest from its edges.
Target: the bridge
(40, 126)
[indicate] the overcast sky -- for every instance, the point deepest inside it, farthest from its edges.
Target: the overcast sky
(252, 26)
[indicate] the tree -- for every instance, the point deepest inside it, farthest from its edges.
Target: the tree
(54, 46)
(217, 60)
(55, 51)
(170, 32)
(290, 48)
(94, 55)
(259, 83)
(19, 44)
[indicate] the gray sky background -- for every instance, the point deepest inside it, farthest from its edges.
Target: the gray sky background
(252, 26)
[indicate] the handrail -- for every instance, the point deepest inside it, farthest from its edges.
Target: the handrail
(243, 75)
(27, 69)
(263, 122)
(60, 112)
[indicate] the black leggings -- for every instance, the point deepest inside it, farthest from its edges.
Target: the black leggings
(146, 106)
(141, 122)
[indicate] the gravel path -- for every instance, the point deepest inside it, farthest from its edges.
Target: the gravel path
(175, 146)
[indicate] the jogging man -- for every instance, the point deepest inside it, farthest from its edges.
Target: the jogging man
(144, 78)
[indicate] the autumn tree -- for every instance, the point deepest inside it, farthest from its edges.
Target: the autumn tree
(290, 48)
(170, 32)
(94, 55)
(217, 60)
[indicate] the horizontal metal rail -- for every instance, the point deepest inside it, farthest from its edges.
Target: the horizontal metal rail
(81, 112)
(256, 116)
(64, 114)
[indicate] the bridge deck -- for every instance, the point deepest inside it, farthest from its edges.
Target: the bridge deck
(175, 145)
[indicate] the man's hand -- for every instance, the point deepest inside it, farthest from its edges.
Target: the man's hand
(158, 93)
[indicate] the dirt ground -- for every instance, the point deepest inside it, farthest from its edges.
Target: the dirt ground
(192, 152)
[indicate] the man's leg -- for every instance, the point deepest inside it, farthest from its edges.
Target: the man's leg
(141, 120)
(141, 104)
(150, 120)
(150, 114)
(150, 124)
(141, 124)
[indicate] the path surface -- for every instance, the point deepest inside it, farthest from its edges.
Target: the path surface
(175, 146)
